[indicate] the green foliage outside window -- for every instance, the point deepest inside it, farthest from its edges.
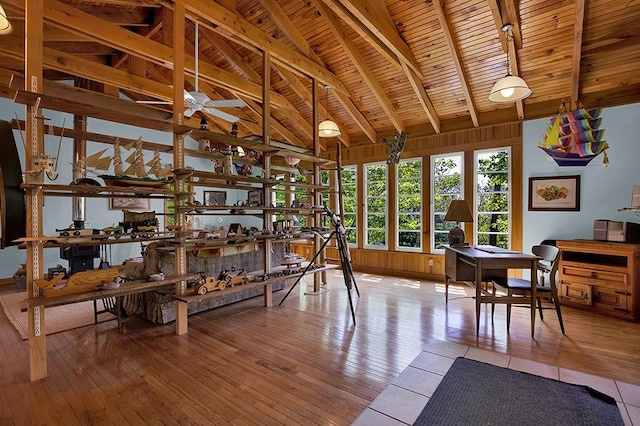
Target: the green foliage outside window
(447, 186)
(349, 194)
(376, 205)
(409, 201)
(492, 198)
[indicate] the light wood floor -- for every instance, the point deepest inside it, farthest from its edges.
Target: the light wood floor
(301, 363)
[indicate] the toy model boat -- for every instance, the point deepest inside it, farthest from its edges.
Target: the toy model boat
(152, 174)
(574, 139)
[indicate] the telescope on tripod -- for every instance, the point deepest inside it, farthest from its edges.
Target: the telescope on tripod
(339, 233)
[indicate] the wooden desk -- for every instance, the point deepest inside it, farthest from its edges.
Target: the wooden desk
(477, 264)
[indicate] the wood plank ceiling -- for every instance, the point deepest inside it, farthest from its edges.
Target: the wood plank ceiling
(420, 66)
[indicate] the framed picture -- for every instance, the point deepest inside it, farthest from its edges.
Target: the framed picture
(255, 198)
(554, 193)
(128, 203)
(215, 198)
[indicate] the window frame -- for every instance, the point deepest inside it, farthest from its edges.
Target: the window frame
(432, 204)
(340, 209)
(420, 211)
(509, 192)
(365, 195)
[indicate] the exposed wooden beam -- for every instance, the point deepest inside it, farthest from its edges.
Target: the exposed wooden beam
(455, 57)
(424, 100)
(578, 24)
(375, 16)
(279, 51)
(362, 67)
(285, 24)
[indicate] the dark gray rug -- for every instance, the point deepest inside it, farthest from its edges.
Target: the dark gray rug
(476, 393)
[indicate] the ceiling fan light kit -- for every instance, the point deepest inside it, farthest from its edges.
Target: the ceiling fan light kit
(509, 88)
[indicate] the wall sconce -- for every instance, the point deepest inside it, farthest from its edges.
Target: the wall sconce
(458, 211)
(328, 129)
(5, 25)
(509, 88)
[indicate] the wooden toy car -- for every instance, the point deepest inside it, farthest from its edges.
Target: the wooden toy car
(234, 276)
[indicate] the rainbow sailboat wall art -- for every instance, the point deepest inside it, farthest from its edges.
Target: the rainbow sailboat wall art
(574, 138)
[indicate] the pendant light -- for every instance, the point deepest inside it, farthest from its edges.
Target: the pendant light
(5, 25)
(328, 129)
(509, 88)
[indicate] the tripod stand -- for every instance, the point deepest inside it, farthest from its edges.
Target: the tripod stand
(347, 272)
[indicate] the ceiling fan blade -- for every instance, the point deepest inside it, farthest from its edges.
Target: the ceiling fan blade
(231, 103)
(189, 112)
(221, 114)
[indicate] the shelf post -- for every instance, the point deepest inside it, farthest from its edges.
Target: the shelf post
(35, 146)
(178, 156)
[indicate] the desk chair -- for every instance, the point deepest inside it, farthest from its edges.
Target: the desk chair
(547, 266)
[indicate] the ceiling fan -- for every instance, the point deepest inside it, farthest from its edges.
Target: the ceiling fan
(199, 101)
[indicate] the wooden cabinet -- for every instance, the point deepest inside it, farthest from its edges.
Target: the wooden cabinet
(601, 276)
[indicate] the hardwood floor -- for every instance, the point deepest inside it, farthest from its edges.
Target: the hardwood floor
(301, 363)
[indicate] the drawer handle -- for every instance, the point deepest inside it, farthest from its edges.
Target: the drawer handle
(593, 274)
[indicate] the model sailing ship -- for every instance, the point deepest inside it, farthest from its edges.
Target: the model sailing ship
(574, 138)
(152, 174)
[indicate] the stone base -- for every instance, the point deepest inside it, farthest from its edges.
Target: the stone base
(161, 308)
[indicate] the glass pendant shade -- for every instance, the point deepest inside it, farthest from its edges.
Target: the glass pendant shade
(5, 25)
(509, 89)
(328, 129)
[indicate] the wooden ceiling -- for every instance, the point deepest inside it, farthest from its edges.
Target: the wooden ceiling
(420, 66)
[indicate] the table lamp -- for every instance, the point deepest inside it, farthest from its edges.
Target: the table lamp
(458, 211)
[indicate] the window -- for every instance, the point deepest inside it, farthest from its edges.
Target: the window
(446, 186)
(350, 201)
(375, 185)
(409, 205)
(493, 197)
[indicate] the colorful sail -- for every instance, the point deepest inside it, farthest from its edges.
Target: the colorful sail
(573, 138)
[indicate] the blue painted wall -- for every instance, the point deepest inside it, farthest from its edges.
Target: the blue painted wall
(57, 211)
(604, 190)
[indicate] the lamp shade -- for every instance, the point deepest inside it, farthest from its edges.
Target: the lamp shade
(5, 25)
(459, 211)
(328, 129)
(292, 161)
(509, 89)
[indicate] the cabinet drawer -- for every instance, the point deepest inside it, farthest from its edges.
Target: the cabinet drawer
(611, 300)
(588, 275)
(575, 293)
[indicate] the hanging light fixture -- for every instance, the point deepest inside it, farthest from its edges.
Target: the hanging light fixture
(5, 25)
(328, 129)
(509, 88)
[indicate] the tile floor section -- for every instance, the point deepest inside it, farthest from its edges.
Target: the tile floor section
(404, 399)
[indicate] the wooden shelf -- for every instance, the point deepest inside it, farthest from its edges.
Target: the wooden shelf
(100, 191)
(189, 298)
(226, 181)
(130, 287)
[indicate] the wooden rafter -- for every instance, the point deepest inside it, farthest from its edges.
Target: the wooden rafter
(578, 24)
(281, 53)
(362, 67)
(285, 24)
(457, 62)
(366, 32)
(374, 15)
